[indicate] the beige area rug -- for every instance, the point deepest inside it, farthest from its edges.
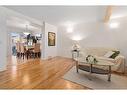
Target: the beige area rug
(96, 81)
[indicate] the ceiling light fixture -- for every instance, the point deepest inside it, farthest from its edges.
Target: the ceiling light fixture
(26, 32)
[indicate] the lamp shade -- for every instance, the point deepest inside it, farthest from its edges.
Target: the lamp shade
(75, 46)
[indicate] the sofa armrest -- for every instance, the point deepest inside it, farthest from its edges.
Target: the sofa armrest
(119, 58)
(120, 62)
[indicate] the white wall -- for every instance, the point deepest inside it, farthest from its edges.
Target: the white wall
(94, 34)
(3, 41)
(49, 51)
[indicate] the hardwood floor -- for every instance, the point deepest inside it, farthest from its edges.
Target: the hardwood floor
(37, 74)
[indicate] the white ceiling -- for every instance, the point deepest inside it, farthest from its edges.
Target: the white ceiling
(119, 11)
(62, 15)
(22, 24)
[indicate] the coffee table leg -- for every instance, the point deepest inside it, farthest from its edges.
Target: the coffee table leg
(72, 56)
(77, 66)
(109, 74)
(90, 72)
(90, 68)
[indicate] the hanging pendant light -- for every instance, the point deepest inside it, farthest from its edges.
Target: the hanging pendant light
(26, 32)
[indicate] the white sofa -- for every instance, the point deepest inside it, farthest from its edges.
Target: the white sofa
(99, 53)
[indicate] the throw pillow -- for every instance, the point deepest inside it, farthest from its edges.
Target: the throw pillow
(108, 54)
(115, 54)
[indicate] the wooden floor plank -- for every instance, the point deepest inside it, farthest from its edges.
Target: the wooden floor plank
(37, 74)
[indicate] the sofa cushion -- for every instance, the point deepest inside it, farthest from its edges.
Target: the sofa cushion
(105, 58)
(98, 51)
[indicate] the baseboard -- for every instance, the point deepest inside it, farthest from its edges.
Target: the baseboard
(64, 57)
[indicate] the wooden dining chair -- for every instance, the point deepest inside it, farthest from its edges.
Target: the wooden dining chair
(36, 50)
(22, 50)
(18, 49)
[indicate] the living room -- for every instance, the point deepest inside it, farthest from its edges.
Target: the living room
(97, 28)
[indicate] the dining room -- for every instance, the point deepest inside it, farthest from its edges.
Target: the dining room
(24, 40)
(25, 45)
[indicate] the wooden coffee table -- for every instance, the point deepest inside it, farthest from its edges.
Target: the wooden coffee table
(91, 67)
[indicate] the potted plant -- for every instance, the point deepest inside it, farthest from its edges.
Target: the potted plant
(91, 59)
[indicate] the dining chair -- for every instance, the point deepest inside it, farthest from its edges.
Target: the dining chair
(22, 50)
(36, 50)
(18, 49)
(29, 51)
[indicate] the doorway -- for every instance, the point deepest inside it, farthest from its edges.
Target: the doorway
(29, 46)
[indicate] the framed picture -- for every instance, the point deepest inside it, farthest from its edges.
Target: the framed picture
(51, 39)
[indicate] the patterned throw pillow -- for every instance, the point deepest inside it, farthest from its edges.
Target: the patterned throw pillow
(115, 54)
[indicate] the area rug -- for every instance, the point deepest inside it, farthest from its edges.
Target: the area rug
(96, 81)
